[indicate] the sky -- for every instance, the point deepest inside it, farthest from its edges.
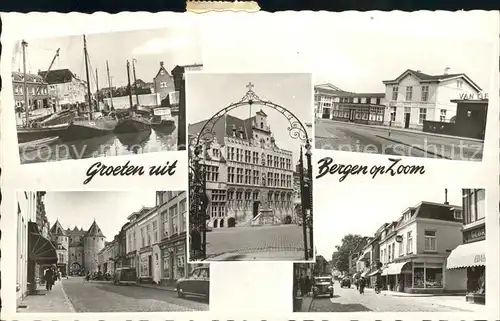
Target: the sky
(358, 209)
(180, 46)
(109, 209)
(209, 93)
(363, 64)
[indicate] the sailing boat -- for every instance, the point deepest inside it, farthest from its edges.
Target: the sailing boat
(134, 122)
(38, 132)
(89, 128)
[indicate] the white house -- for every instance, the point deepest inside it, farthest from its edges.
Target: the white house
(415, 96)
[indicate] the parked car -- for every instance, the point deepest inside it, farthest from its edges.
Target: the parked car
(345, 283)
(126, 275)
(197, 284)
(323, 285)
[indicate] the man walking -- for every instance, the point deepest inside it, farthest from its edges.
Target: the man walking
(49, 279)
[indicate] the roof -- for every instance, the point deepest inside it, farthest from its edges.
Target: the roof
(94, 230)
(162, 68)
(432, 210)
(58, 76)
(57, 229)
(327, 86)
(31, 78)
(433, 78)
(140, 212)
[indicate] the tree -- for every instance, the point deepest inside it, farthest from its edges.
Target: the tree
(340, 258)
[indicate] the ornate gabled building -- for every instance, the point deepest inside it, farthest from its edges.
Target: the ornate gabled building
(76, 248)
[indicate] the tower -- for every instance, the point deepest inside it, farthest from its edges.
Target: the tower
(93, 242)
(60, 240)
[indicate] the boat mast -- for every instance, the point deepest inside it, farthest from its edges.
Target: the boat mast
(109, 84)
(135, 82)
(24, 44)
(129, 87)
(85, 55)
(97, 86)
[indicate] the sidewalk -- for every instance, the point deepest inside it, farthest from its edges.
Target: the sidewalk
(157, 286)
(55, 301)
(406, 130)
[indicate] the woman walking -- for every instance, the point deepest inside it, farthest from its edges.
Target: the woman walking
(362, 284)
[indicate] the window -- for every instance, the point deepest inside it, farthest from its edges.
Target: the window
(174, 226)
(409, 243)
(425, 93)
(422, 115)
(442, 115)
(182, 215)
(401, 248)
(163, 84)
(457, 214)
(459, 83)
(409, 93)
(474, 205)
(395, 93)
(389, 253)
(155, 232)
(393, 113)
(393, 250)
(430, 241)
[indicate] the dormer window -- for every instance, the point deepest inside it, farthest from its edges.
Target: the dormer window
(457, 214)
(261, 124)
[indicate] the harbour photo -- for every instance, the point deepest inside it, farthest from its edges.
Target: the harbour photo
(100, 95)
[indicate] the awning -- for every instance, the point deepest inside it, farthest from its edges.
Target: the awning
(394, 268)
(467, 255)
(39, 248)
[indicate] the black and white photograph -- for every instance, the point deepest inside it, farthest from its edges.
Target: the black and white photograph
(427, 97)
(250, 181)
(96, 95)
(106, 251)
(422, 251)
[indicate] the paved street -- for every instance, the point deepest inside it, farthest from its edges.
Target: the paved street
(360, 138)
(77, 295)
(349, 300)
(266, 243)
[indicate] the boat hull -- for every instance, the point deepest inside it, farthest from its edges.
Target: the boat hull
(30, 134)
(84, 129)
(63, 117)
(165, 126)
(132, 125)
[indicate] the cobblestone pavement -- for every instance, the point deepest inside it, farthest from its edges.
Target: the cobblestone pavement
(283, 242)
(349, 300)
(366, 139)
(107, 297)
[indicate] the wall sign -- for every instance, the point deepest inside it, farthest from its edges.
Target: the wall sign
(472, 96)
(399, 238)
(476, 234)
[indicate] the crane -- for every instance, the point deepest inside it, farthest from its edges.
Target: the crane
(44, 77)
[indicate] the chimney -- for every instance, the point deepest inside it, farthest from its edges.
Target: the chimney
(447, 70)
(446, 197)
(418, 70)
(161, 63)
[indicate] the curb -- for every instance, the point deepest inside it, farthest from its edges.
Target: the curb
(156, 288)
(67, 300)
(397, 129)
(416, 147)
(310, 305)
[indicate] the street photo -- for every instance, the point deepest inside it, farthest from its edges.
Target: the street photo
(426, 97)
(97, 95)
(106, 251)
(422, 250)
(250, 170)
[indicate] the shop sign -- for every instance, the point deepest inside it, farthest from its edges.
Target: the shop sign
(472, 96)
(480, 258)
(399, 238)
(472, 235)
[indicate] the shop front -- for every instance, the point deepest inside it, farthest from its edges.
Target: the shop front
(359, 113)
(472, 257)
(174, 260)
(41, 252)
(146, 267)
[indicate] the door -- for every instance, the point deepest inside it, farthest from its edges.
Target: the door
(150, 265)
(256, 208)
(326, 113)
(352, 113)
(407, 120)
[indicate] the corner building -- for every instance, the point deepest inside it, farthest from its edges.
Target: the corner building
(245, 169)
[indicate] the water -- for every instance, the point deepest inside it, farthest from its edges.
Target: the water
(104, 146)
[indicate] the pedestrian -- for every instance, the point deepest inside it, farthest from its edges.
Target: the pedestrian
(302, 283)
(49, 279)
(59, 275)
(87, 277)
(308, 284)
(362, 284)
